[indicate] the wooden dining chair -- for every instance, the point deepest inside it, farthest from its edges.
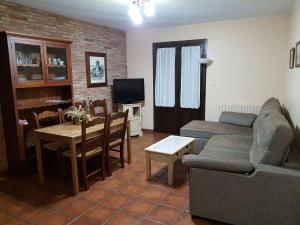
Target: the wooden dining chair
(50, 118)
(77, 104)
(116, 129)
(46, 118)
(99, 108)
(91, 148)
(63, 114)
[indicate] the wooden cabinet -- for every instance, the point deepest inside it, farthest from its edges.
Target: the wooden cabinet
(36, 75)
(134, 116)
(39, 63)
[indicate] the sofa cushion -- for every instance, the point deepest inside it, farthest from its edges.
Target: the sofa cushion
(272, 138)
(234, 142)
(207, 129)
(210, 150)
(223, 159)
(240, 119)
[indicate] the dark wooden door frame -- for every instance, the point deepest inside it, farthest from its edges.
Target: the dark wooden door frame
(178, 45)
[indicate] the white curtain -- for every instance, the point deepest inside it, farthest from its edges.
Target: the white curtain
(165, 77)
(190, 77)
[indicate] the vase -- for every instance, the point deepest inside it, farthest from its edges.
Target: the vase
(76, 121)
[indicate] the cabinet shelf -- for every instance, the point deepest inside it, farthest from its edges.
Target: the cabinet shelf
(28, 65)
(56, 66)
(43, 104)
(38, 85)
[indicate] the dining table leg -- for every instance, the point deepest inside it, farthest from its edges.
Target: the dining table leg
(39, 160)
(74, 167)
(128, 143)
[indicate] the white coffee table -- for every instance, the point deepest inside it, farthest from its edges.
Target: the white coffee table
(168, 150)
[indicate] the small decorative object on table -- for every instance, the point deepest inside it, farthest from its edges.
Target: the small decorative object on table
(79, 114)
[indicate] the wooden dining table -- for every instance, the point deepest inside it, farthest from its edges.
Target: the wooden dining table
(70, 134)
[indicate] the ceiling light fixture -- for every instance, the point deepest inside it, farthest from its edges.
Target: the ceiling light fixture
(137, 6)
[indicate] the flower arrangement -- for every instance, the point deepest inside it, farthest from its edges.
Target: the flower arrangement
(79, 114)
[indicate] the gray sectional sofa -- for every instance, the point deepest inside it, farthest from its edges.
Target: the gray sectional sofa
(245, 175)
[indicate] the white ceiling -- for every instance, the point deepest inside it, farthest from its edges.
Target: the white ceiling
(113, 13)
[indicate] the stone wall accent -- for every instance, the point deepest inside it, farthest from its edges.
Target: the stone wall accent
(86, 37)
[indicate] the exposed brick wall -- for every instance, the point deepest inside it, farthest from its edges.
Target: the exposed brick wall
(85, 37)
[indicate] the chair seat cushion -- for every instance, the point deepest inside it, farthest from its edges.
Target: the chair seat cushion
(234, 142)
(207, 129)
(88, 154)
(53, 146)
(115, 143)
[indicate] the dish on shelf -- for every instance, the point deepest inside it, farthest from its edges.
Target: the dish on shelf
(22, 79)
(59, 78)
(36, 76)
(51, 75)
(57, 101)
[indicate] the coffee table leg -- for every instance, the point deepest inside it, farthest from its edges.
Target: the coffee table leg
(170, 172)
(148, 166)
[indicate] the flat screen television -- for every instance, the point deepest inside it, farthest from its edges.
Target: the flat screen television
(128, 90)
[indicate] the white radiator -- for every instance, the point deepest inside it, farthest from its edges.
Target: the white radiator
(239, 108)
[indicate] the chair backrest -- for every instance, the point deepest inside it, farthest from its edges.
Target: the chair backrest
(77, 104)
(95, 142)
(99, 108)
(117, 124)
(46, 118)
(63, 114)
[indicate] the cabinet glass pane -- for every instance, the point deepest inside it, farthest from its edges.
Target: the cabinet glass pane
(57, 63)
(28, 60)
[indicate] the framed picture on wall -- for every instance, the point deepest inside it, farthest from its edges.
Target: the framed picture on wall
(292, 58)
(297, 53)
(96, 69)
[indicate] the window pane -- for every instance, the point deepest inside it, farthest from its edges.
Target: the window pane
(57, 63)
(28, 60)
(190, 77)
(165, 77)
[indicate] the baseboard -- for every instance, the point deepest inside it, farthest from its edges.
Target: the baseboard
(147, 130)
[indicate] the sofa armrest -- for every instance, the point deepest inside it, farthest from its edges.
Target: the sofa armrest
(217, 163)
(240, 119)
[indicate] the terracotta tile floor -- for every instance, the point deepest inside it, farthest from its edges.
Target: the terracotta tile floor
(125, 198)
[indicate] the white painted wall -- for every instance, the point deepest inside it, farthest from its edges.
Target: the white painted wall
(292, 100)
(249, 60)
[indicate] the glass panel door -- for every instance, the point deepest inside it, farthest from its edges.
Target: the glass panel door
(28, 62)
(57, 64)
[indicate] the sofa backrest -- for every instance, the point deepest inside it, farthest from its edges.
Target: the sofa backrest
(272, 137)
(270, 106)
